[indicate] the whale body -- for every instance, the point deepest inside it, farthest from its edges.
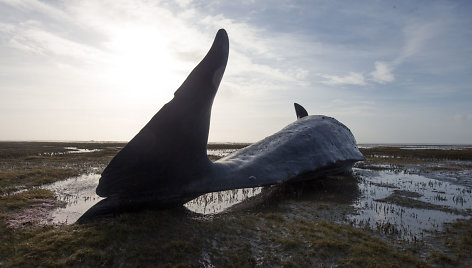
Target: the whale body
(166, 163)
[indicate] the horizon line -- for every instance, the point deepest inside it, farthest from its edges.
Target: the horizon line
(242, 142)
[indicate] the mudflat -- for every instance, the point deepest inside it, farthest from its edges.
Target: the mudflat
(406, 205)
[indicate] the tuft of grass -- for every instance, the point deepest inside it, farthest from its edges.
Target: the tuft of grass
(227, 145)
(13, 178)
(391, 153)
(24, 199)
(396, 158)
(406, 199)
(407, 193)
(172, 238)
(33, 150)
(27, 164)
(441, 259)
(458, 241)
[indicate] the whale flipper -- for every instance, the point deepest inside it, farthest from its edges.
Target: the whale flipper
(171, 149)
(300, 111)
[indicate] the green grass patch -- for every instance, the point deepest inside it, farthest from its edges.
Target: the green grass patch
(227, 145)
(28, 164)
(14, 178)
(14, 202)
(390, 153)
(173, 238)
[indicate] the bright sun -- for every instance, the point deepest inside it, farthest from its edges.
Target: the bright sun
(142, 65)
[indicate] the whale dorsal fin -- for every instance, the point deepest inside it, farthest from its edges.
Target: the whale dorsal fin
(301, 112)
(171, 149)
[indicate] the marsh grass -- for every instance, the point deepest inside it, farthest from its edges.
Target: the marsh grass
(418, 154)
(27, 164)
(297, 230)
(407, 199)
(12, 180)
(227, 145)
(453, 247)
(170, 238)
(396, 158)
(13, 202)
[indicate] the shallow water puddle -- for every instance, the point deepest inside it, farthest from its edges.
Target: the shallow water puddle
(221, 152)
(79, 195)
(448, 202)
(75, 150)
(217, 202)
(407, 205)
(72, 150)
(412, 204)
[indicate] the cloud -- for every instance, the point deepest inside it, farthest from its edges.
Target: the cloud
(465, 118)
(37, 6)
(34, 39)
(416, 35)
(353, 78)
(382, 73)
(183, 3)
(248, 39)
(128, 57)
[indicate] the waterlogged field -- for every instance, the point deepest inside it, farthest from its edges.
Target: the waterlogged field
(406, 205)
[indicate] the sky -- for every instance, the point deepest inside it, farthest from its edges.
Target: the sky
(392, 71)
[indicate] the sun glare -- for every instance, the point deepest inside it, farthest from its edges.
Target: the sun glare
(142, 65)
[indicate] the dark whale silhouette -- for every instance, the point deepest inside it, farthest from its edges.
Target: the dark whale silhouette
(300, 111)
(166, 163)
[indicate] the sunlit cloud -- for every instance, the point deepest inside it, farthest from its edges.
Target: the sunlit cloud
(353, 78)
(415, 35)
(382, 73)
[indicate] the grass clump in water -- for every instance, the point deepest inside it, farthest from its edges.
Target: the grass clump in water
(396, 158)
(407, 199)
(24, 199)
(398, 153)
(27, 164)
(10, 180)
(458, 241)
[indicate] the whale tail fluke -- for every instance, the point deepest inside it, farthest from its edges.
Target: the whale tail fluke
(166, 163)
(301, 112)
(177, 134)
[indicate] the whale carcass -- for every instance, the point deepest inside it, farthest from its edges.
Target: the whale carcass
(166, 163)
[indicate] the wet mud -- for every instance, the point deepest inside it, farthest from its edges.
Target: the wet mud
(395, 202)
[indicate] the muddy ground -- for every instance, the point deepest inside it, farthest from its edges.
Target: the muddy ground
(403, 206)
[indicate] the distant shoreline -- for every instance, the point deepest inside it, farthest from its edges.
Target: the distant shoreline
(361, 145)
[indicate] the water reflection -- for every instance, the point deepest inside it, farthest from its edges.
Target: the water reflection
(75, 150)
(79, 195)
(220, 152)
(217, 202)
(337, 189)
(423, 204)
(393, 202)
